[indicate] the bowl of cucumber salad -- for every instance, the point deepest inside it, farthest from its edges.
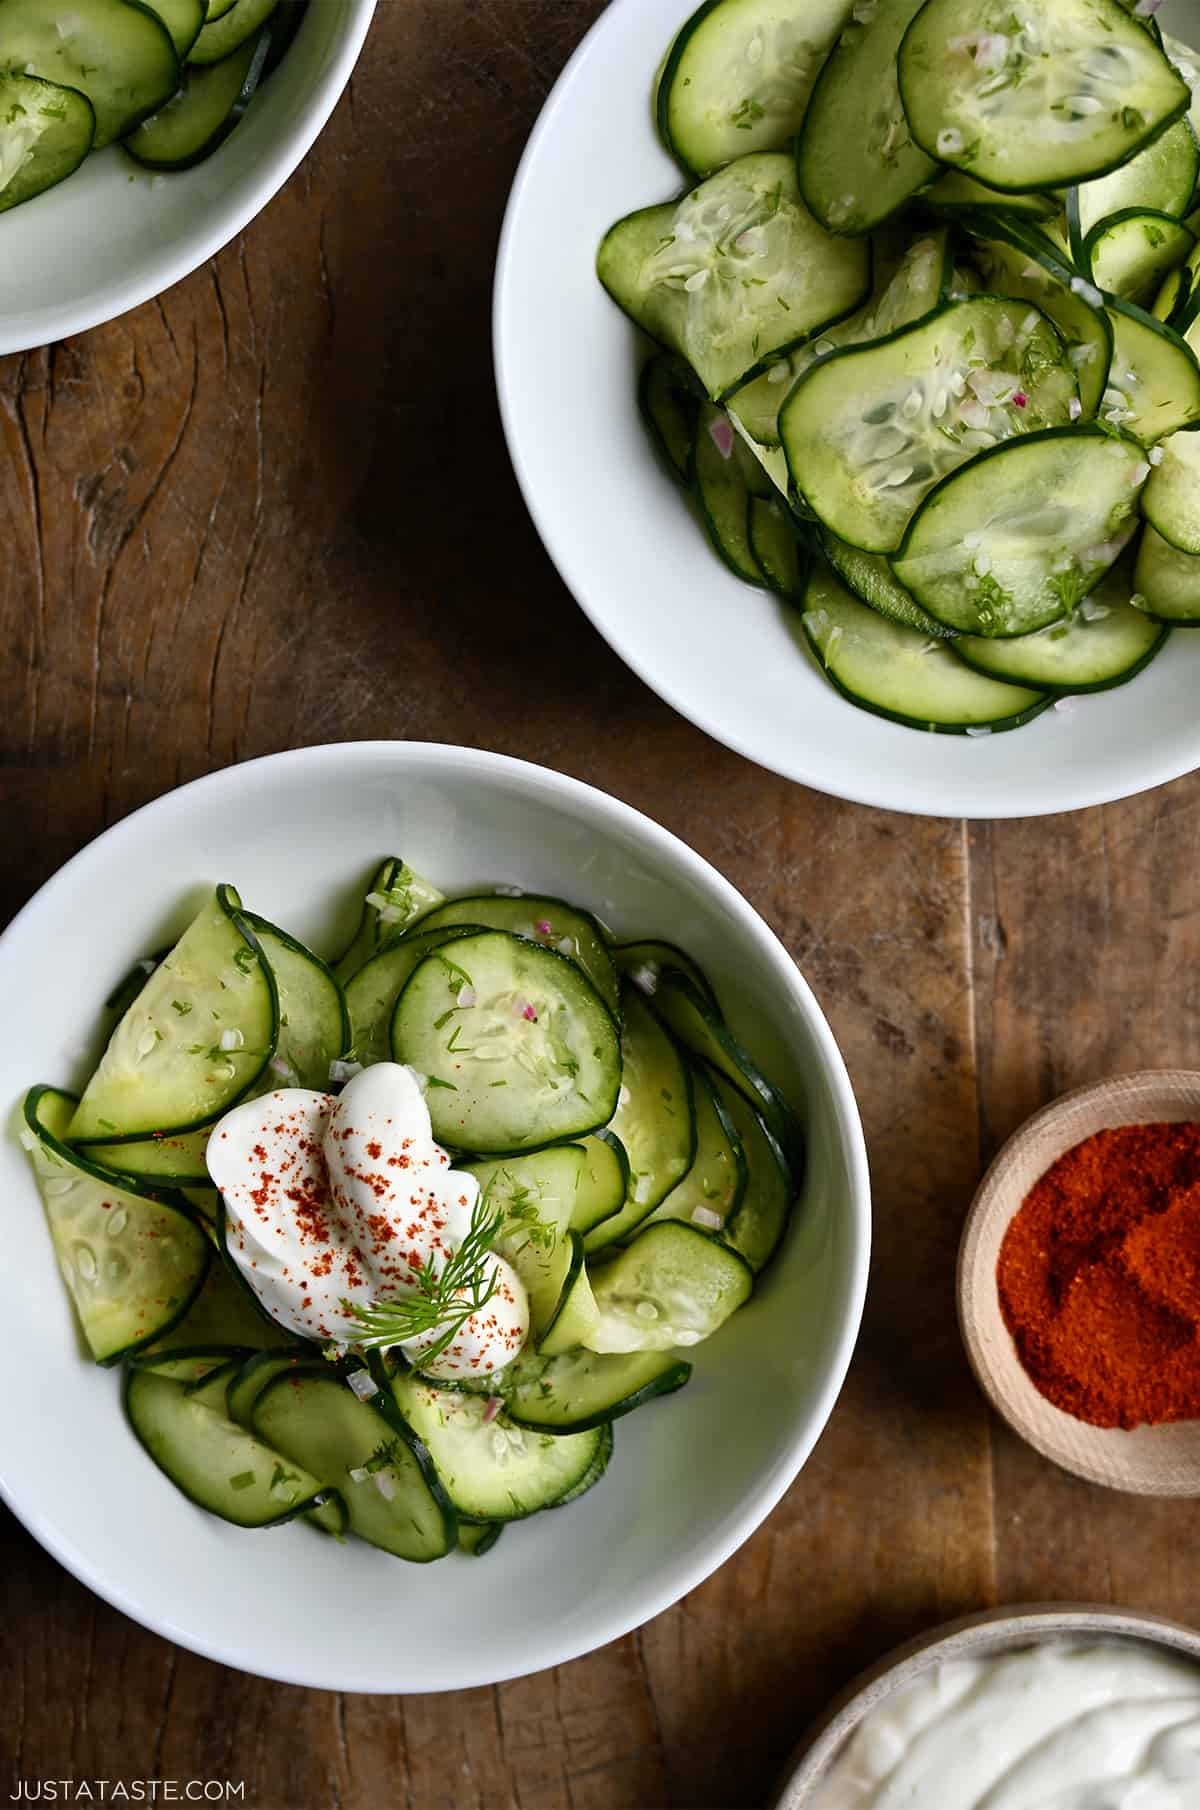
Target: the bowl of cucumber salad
(891, 389)
(137, 139)
(435, 1197)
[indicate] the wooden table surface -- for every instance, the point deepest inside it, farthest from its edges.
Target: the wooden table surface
(274, 508)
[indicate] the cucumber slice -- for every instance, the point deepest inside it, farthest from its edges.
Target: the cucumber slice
(716, 1181)
(131, 984)
(734, 273)
(534, 1055)
(758, 1220)
(669, 405)
(739, 75)
(872, 580)
(187, 1366)
(216, 9)
(655, 1119)
(856, 159)
(132, 1261)
(1166, 581)
(1154, 380)
(584, 1389)
(202, 112)
(1102, 643)
(595, 1471)
(901, 672)
(1068, 95)
(536, 1194)
(196, 1038)
(869, 431)
(1161, 178)
(395, 897)
(1016, 539)
(116, 52)
(491, 1469)
(605, 1180)
(46, 131)
(178, 1161)
(372, 991)
(1188, 64)
(644, 961)
(183, 20)
(319, 1422)
(477, 1540)
(1171, 499)
(252, 1376)
(1131, 253)
(223, 1313)
(1171, 302)
(776, 548)
(314, 1025)
(674, 1285)
(222, 36)
(720, 484)
(552, 923)
(1020, 260)
(957, 193)
(575, 1314)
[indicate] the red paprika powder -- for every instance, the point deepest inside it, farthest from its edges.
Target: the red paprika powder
(1099, 1277)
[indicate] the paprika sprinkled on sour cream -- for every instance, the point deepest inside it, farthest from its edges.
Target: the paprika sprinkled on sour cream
(346, 1200)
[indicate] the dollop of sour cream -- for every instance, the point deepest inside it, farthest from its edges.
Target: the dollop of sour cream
(342, 1200)
(1102, 1725)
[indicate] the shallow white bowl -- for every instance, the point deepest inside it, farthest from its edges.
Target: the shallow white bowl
(691, 1478)
(112, 236)
(728, 657)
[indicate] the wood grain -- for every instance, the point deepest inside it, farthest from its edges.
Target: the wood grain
(267, 511)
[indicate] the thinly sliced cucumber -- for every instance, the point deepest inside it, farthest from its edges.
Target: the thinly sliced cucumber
(1104, 642)
(132, 1261)
(763, 467)
(372, 991)
(1187, 62)
(183, 20)
(116, 52)
(575, 1315)
(1171, 499)
(552, 923)
(595, 1471)
(216, 9)
(252, 1376)
(395, 897)
(314, 1026)
(856, 159)
(1171, 302)
(223, 1313)
(758, 1220)
(195, 1039)
(536, 1194)
(669, 404)
(734, 273)
(1154, 380)
(46, 131)
(585, 1389)
(776, 548)
(393, 1495)
(477, 1539)
(739, 75)
(901, 672)
(178, 1161)
(131, 984)
(1130, 254)
(1019, 259)
(716, 1181)
(221, 37)
(1162, 178)
(1069, 94)
(869, 431)
(720, 484)
(1015, 540)
(1166, 581)
(202, 112)
(285, 22)
(872, 580)
(519, 1047)
(645, 961)
(188, 1366)
(957, 193)
(655, 1120)
(605, 1180)
(674, 1285)
(491, 1469)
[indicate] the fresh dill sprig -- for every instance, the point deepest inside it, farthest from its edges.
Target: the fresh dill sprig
(440, 1299)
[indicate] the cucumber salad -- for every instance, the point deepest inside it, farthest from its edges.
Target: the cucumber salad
(926, 321)
(168, 79)
(390, 1243)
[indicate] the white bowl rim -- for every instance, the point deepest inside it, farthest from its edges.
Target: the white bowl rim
(452, 757)
(170, 264)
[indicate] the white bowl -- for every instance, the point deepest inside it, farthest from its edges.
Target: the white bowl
(728, 657)
(112, 235)
(691, 1477)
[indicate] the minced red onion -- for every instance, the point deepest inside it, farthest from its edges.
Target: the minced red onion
(721, 434)
(494, 1405)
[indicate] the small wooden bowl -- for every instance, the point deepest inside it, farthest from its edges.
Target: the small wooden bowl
(994, 1631)
(1149, 1461)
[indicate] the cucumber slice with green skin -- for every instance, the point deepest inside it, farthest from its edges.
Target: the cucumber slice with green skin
(739, 76)
(605, 1180)
(958, 193)
(314, 1025)
(319, 1422)
(131, 984)
(713, 1186)
(551, 923)
(1188, 64)
(532, 1058)
(183, 20)
(584, 1389)
(674, 1285)
(536, 1195)
(575, 1314)
(286, 21)
(855, 156)
(1071, 94)
(776, 548)
(253, 1374)
(491, 1469)
(372, 991)
(1130, 254)
(734, 273)
(1154, 380)
(194, 1041)
(872, 580)
(188, 1366)
(178, 1161)
(1015, 540)
(870, 431)
(395, 897)
(719, 482)
(1101, 644)
(644, 961)
(596, 1470)
(477, 1540)
(764, 468)
(223, 1313)
(216, 9)
(116, 52)
(901, 673)
(214, 1462)
(221, 37)
(46, 131)
(1161, 178)
(655, 1119)
(1166, 581)
(202, 112)
(669, 406)
(1171, 499)
(1171, 302)
(133, 1259)
(758, 1219)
